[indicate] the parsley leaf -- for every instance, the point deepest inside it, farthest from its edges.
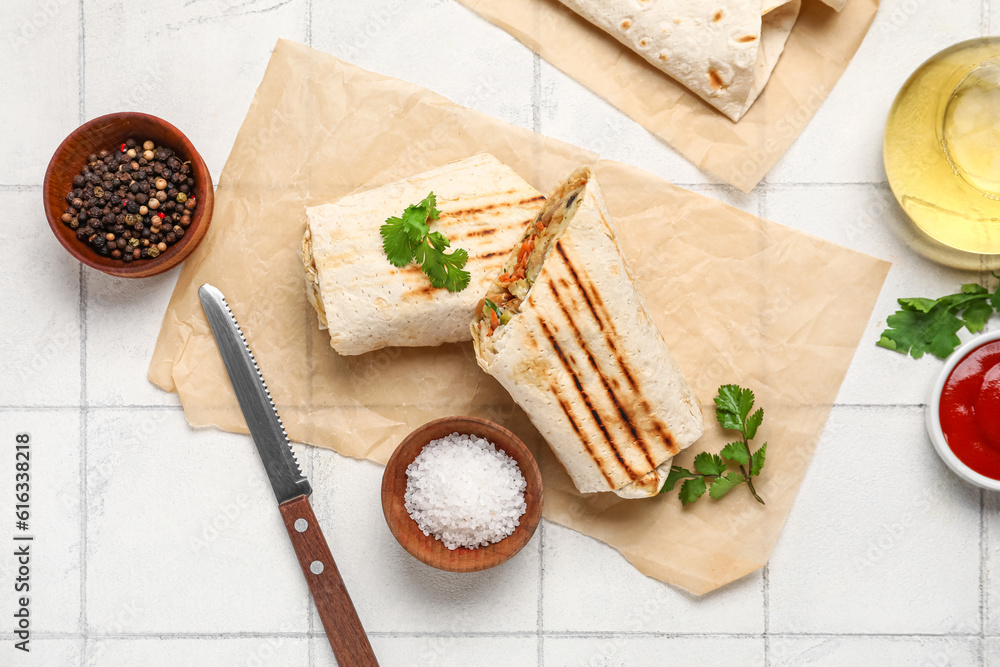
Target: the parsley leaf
(723, 485)
(708, 464)
(692, 490)
(975, 316)
(733, 404)
(438, 240)
(675, 475)
(396, 243)
(929, 325)
(408, 238)
(737, 453)
(443, 269)
(753, 423)
(733, 407)
(757, 460)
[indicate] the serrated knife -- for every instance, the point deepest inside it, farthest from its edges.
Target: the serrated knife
(291, 488)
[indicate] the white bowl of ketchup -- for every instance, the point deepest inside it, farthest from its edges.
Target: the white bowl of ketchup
(963, 417)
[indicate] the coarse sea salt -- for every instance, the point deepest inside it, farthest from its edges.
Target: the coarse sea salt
(464, 491)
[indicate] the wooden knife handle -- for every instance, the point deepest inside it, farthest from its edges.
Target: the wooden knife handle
(343, 627)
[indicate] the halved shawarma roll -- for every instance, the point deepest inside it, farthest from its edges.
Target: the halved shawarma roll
(572, 342)
(365, 301)
(722, 51)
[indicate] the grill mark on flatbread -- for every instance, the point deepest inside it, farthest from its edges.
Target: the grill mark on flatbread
(608, 329)
(747, 38)
(607, 326)
(486, 231)
(715, 79)
(478, 234)
(529, 339)
(489, 207)
(426, 290)
(586, 399)
(627, 418)
(647, 482)
(576, 429)
(409, 269)
(660, 429)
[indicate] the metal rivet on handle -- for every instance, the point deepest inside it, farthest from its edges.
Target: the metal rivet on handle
(316, 567)
(301, 525)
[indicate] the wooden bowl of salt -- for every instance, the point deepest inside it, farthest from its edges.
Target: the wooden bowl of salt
(464, 468)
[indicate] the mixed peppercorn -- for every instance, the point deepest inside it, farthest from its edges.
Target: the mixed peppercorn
(133, 202)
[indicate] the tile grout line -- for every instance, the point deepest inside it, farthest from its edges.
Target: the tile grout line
(983, 575)
(984, 279)
(83, 524)
(59, 408)
(536, 119)
(310, 451)
(38, 408)
(541, 591)
(180, 408)
(799, 185)
(766, 586)
(81, 62)
(525, 634)
(765, 578)
(309, 41)
(84, 625)
(536, 93)
(310, 616)
(536, 125)
(84, 414)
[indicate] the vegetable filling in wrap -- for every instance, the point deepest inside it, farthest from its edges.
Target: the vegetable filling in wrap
(564, 329)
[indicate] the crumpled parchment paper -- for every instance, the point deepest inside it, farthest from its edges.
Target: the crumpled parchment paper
(818, 51)
(739, 299)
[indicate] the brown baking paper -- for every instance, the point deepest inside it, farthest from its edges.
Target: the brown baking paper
(818, 51)
(739, 299)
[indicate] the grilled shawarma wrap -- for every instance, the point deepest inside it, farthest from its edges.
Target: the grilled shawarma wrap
(571, 341)
(721, 50)
(365, 301)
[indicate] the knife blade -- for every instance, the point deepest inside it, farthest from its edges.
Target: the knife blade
(262, 418)
(291, 488)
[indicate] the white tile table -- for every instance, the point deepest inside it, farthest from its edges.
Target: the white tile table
(144, 559)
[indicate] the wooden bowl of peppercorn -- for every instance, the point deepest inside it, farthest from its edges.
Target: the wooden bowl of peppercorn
(95, 160)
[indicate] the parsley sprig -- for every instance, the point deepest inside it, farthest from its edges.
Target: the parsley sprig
(929, 325)
(711, 472)
(409, 238)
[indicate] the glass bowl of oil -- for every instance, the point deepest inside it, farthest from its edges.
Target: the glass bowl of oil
(942, 156)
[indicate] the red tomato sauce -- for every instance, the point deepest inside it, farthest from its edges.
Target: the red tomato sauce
(970, 410)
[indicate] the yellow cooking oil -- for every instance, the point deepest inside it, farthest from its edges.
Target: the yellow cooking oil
(942, 155)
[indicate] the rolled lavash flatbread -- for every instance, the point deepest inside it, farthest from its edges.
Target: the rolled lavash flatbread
(722, 50)
(366, 302)
(572, 342)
